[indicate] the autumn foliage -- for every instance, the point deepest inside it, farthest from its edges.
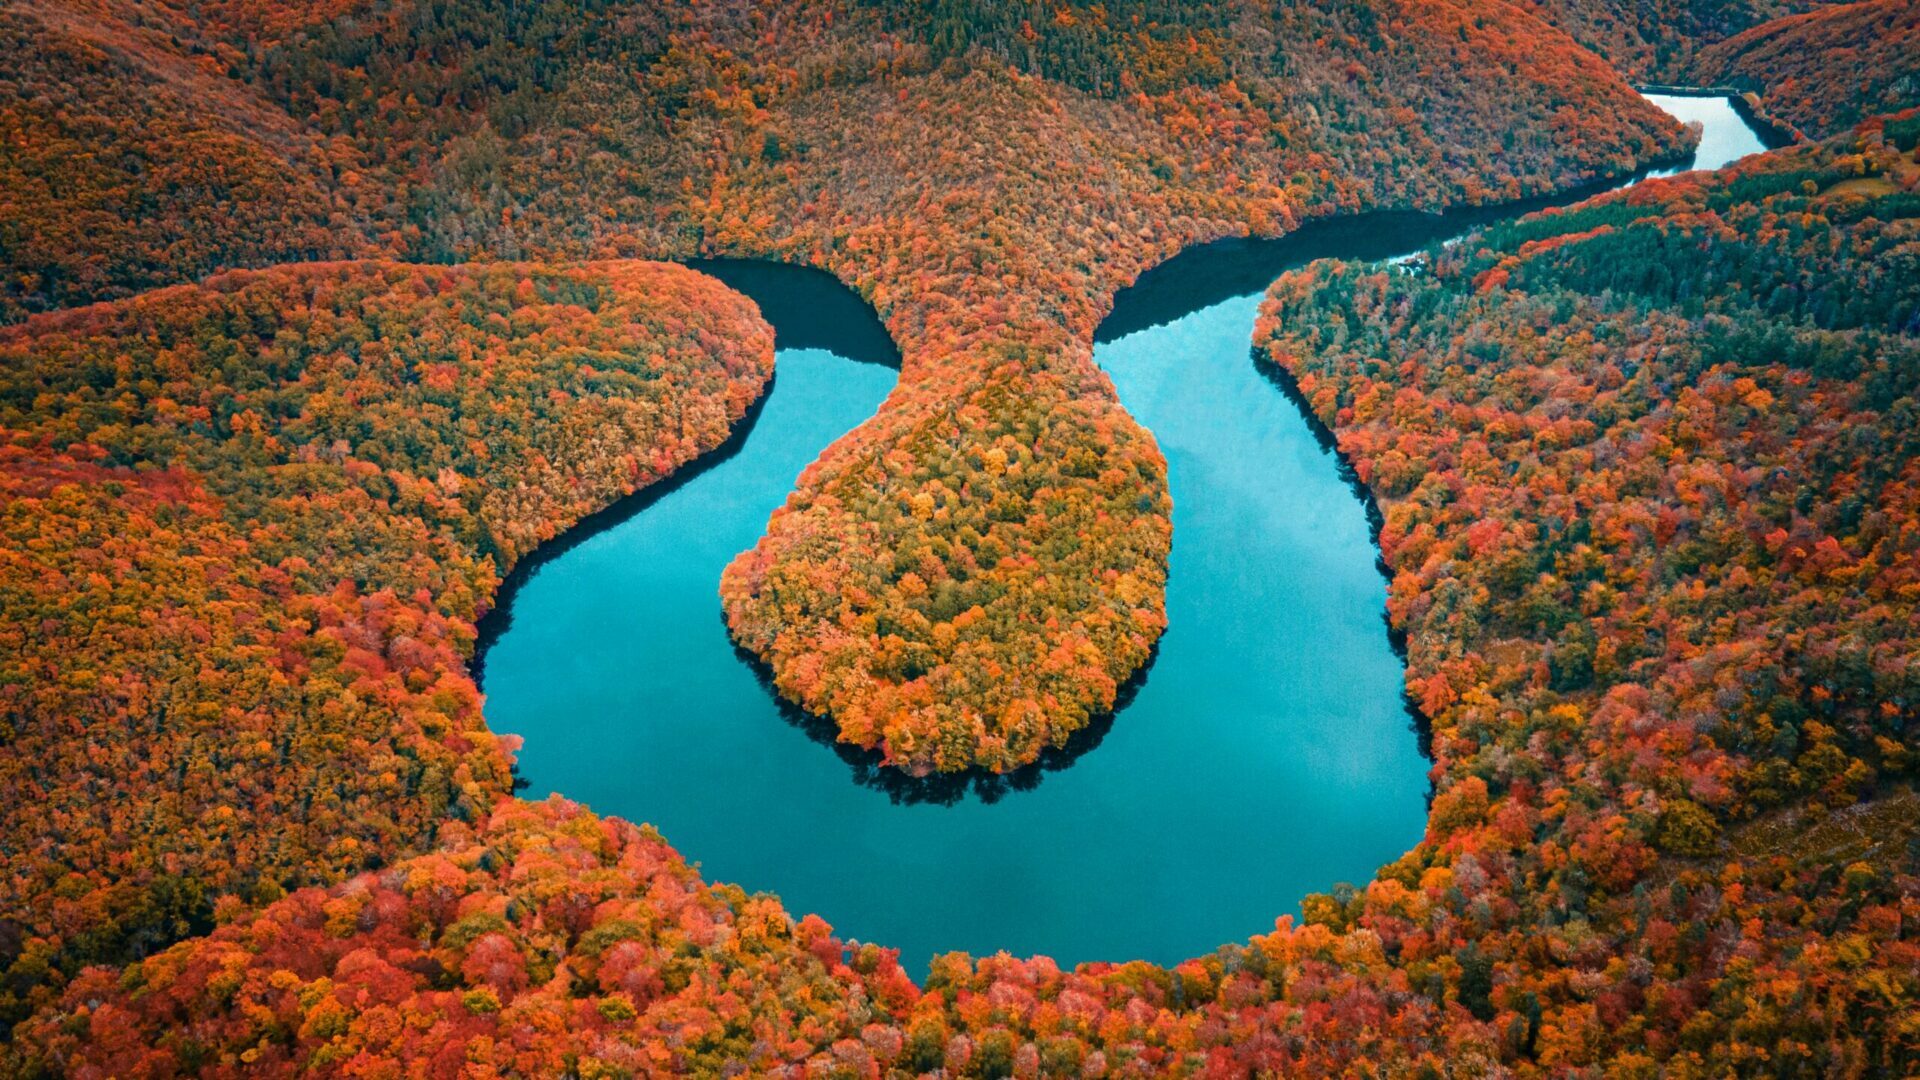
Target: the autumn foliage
(1658, 41)
(1650, 503)
(986, 179)
(1646, 467)
(967, 579)
(539, 939)
(1652, 507)
(1827, 69)
(248, 528)
(124, 165)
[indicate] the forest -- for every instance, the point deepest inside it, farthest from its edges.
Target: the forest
(987, 205)
(1827, 69)
(1659, 41)
(1652, 511)
(249, 527)
(315, 320)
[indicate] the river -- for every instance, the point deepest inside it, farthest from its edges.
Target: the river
(1266, 753)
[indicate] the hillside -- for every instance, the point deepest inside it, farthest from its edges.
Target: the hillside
(538, 941)
(1657, 41)
(316, 320)
(1652, 508)
(966, 580)
(124, 164)
(248, 528)
(1828, 69)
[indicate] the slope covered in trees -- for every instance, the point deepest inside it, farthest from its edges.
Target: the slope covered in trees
(1814, 65)
(124, 164)
(1648, 475)
(967, 579)
(248, 528)
(538, 941)
(1657, 41)
(1827, 69)
(1652, 504)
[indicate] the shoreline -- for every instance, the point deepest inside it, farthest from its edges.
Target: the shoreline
(1775, 134)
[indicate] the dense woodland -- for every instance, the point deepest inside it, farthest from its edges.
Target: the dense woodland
(1646, 468)
(1815, 67)
(539, 941)
(1651, 499)
(124, 165)
(1826, 70)
(966, 580)
(248, 528)
(1658, 41)
(1651, 504)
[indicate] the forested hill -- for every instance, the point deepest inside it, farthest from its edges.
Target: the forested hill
(1652, 506)
(995, 539)
(1814, 66)
(373, 121)
(126, 163)
(986, 177)
(245, 530)
(1658, 41)
(1652, 526)
(1828, 69)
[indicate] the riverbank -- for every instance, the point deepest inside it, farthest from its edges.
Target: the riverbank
(1773, 131)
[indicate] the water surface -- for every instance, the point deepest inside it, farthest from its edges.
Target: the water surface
(1725, 136)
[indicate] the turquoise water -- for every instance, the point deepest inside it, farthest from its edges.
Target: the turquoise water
(1724, 137)
(1266, 754)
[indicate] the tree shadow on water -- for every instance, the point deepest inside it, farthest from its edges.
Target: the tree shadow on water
(808, 309)
(499, 618)
(945, 789)
(1205, 274)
